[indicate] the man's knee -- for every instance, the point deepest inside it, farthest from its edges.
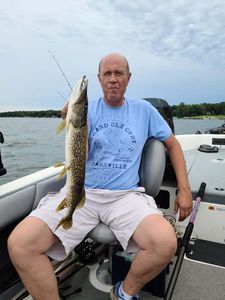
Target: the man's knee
(157, 235)
(171, 245)
(16, 245)
(166, 244)
(30, 237)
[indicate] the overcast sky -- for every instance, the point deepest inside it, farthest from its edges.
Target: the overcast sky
(176, 49)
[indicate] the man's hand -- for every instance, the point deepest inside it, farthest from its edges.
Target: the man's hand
(183, 204)
(64, 111)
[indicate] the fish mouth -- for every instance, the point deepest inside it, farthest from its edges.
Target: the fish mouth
(82, 90)
(84, 83)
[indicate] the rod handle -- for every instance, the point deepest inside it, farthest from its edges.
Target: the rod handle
(201, 190)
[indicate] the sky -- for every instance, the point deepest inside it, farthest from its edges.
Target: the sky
(176, 49)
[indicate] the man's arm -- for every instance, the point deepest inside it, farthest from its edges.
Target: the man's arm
(183, 201)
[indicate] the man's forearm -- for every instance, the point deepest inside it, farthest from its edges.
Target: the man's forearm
(177, 159)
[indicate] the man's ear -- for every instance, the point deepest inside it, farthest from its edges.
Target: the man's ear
(129, 77)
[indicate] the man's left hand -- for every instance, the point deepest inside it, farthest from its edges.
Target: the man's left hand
(183, 204)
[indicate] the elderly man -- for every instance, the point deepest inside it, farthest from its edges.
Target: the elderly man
(118, 129)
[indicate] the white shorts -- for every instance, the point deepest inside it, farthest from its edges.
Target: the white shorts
(122, 210)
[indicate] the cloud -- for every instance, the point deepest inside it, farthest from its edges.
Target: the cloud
(176, 29)
(168, 43)
(190, 29)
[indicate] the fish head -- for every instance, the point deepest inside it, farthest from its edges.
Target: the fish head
(78, 104)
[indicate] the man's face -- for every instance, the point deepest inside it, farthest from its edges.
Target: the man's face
(114, 78)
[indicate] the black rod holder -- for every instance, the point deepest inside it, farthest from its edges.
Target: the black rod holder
(2, 169)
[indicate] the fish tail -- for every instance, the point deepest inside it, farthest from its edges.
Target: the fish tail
(82, 201)
(65, 222)
(62, 205)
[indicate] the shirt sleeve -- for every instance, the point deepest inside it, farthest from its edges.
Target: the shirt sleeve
(158, 127)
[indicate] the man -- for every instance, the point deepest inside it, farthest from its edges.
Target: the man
(118, 129)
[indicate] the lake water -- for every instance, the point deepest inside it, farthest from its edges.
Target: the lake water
(32, 144)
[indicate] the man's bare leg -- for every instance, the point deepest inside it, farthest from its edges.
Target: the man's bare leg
(157, 241)
(26, 244)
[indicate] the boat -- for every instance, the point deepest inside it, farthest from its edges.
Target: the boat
(93, 266)
(98, 262)
(217, 130)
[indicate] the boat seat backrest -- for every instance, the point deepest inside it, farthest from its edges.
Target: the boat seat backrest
(14, 207)
(22, 199)
(53, 184)
(151, 173)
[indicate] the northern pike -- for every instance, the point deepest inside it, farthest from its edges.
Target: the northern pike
(75, 151)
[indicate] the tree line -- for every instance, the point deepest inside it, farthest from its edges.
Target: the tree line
(181, 110)
(192, 110)
(32, 114)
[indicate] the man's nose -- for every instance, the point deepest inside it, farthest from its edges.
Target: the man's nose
(112, 77)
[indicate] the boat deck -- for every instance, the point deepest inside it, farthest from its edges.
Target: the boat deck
(209, 168)
(196, 281)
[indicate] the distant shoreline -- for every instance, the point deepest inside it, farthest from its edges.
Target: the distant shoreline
(57, 114)
(31, 114)
(206, 117)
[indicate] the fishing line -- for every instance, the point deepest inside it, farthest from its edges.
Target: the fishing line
(64, 98)
(57, 63)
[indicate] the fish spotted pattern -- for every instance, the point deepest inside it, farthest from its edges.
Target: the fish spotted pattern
(75, 151)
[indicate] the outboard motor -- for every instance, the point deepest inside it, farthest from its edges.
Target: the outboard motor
(164, 109)
(2, 169)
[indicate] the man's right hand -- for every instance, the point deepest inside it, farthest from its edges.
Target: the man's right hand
(64, 111)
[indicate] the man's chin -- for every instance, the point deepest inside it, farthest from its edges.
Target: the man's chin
(115, 100)
(115, 97)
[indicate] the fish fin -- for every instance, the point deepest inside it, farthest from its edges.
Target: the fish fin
(82, 201)
(61, 126)
(59, 164)
(65, 222)
(64, 170)
(62, 205)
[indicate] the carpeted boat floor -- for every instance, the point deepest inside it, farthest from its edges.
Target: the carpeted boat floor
(196, 281)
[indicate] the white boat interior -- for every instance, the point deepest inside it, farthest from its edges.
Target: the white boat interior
(94, 266)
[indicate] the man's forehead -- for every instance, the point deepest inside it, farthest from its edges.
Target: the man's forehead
(113, 62)
(113, 66)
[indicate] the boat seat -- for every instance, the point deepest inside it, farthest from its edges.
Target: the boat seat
(151, 173)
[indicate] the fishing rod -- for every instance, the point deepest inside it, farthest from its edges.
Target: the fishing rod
(63, 73)
(184, 243)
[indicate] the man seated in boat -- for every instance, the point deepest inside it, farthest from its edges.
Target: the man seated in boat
(118, 130)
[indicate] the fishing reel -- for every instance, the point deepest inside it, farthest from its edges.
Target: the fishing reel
(2, 169)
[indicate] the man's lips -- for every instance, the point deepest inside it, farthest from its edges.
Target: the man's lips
(113, 89)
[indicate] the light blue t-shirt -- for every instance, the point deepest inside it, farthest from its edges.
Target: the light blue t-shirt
(116, 138)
